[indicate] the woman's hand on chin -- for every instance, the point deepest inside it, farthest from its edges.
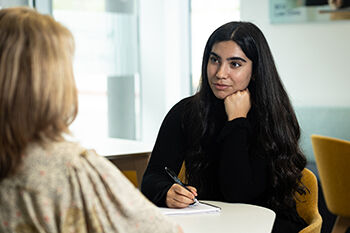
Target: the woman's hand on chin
(237, 104)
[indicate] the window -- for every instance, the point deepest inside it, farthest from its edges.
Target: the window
(106, 65)
(206, 16)
(109, 36)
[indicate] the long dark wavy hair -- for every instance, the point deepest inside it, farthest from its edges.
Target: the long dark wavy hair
(276, 129)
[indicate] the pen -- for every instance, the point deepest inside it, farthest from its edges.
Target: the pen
(178, 181)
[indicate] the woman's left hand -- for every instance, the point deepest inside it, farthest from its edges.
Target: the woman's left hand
(238, 104)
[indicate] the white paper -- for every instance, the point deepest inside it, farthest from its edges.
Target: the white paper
(197, 208)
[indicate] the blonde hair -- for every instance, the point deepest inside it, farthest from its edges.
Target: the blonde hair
(38, 96)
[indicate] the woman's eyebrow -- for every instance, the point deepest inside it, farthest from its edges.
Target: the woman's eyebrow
(228, 59)
(236, 58)
(214, 54)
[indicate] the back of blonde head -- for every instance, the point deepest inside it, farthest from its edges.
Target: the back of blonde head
(38, 98)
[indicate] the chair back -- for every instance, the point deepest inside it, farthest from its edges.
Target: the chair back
(182, 173)
(307, 204)
(333, 164)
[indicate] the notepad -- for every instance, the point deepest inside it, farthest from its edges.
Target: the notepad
(200, 207)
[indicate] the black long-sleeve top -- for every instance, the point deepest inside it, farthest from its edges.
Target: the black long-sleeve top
(239, 177)
(235, 174)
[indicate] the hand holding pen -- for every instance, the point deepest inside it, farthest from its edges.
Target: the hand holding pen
(179, 195)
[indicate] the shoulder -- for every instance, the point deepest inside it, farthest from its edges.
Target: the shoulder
(179, 112)
(66, 179)
(183, 104)
(53, 155)
(56, 170)
(52, 167)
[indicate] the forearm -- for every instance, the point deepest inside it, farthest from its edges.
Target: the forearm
(167, 152)
(242, 177)
(155, 186)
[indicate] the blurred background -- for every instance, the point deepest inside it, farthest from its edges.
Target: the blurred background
(136, 58)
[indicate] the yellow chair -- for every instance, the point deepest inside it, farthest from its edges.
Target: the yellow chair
(133, 166)
(307, 204)
(182, 173)
(132, 176)
(333, 164)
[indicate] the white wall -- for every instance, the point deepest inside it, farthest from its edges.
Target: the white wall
(165, 60)
(313, 59)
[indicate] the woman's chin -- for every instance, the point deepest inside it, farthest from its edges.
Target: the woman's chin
(221, 95)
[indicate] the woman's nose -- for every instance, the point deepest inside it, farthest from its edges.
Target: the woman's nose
(222, 71)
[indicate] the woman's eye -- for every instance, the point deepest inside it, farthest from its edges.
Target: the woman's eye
(235, 64)
(214, 60)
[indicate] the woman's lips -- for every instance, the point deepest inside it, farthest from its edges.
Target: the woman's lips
(220, 86)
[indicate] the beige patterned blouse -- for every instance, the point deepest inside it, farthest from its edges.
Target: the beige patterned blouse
(64, 188)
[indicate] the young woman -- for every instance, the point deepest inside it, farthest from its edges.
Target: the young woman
(237, 136)
(46, 183)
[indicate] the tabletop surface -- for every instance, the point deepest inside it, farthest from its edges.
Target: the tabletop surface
(115, 146)
(233, 217)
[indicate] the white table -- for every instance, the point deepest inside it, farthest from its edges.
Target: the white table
(114, 147)
(127, 155)
(233, 218)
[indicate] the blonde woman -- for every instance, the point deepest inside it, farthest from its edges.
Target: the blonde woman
(46, 183)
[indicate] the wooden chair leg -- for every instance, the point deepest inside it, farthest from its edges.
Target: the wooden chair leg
(341, 224)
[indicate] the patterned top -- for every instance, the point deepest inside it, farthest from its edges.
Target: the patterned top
(65, 188)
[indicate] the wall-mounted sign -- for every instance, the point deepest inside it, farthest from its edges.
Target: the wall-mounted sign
(296, 11)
